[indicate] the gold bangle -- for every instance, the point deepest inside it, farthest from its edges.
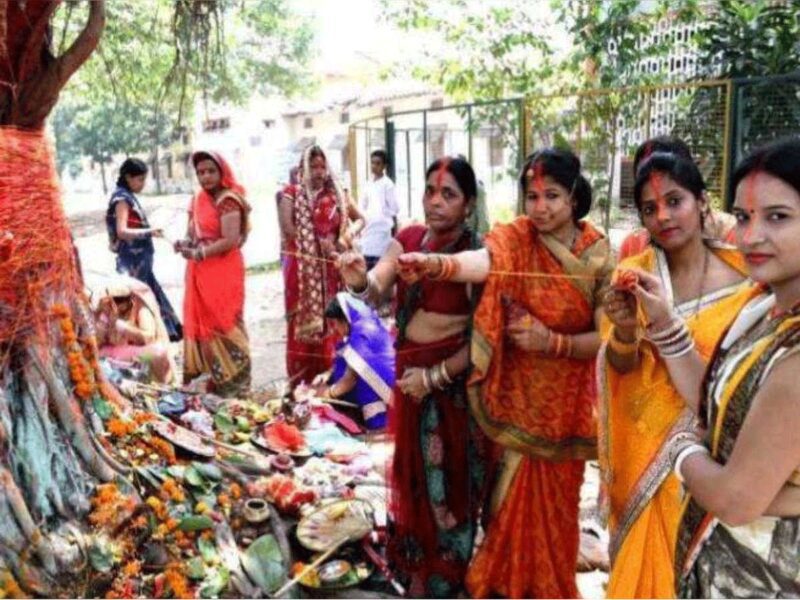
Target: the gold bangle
(622, 348)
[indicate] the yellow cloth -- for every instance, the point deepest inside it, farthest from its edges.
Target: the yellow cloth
(638, 411)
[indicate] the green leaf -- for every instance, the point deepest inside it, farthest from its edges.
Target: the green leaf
(208, 470)
(263, 563)
(196, 523)
(207, 548)
(195, 568)
(177, 471)
(224, 423)
(193, 477)
(215, 583)
(103, 409)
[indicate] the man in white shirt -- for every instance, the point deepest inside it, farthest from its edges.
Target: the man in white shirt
(380, 209)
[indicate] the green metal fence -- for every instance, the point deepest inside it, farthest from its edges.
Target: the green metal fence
(720, 120)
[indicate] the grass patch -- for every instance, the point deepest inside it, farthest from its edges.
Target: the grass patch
(267, 267)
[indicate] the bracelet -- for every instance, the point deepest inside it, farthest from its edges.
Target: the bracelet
(568, 347)
(686, 453)
(203, 252)
(448, 267)
(436, 378)
(622, 348)
(363, 294)
(426, 382)
(445, 374)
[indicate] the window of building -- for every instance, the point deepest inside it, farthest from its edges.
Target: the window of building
(344, 117)
(387, 110)
(255, 140)
(269, 123)
(308, 123)
(217, 124)
(437, 103)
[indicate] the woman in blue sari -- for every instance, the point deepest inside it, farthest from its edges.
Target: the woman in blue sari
(363, 370)
(131, 238)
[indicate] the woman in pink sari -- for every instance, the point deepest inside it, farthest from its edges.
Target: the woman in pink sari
(215, 339)
(315, 220)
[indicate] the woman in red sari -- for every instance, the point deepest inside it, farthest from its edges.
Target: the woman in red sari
(438, 468)
(532, 387)
(315, 220)
(215, 339)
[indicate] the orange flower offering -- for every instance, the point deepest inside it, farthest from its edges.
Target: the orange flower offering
(177, 582)
(119, 428)
(170, 490)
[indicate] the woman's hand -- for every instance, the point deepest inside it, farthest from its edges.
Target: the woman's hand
(353, 269)
(620, 308)
(413, 266)
(157, 233)
(529, 334)
(651, 294)
(412, 383)
(180, 245)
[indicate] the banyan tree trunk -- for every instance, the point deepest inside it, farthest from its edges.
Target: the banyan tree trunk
(50, 456)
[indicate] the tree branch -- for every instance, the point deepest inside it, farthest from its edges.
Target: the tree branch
(85, 43)
(37, 40)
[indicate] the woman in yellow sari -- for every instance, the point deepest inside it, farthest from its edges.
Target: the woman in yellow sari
(640, 408)
(532, 388)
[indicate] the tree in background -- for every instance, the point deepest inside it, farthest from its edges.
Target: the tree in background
(752, 39)
(154, 63)
(489, 51)
(64, 492)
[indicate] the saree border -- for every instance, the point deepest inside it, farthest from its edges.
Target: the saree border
(647, 486)
(367, 373)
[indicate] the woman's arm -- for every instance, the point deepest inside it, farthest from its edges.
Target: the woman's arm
(231, 225)
(378, 283)
(344, 385)
(531, 335)
(121, 211)
(286, 216)
(357, 218)
(417, 382)
(766, 453)
(469, 266)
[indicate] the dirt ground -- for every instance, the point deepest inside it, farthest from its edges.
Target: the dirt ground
(264, 312)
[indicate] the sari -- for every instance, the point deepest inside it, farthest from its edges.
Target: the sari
(135, 257)
(215, 341)
(310, 279)
(437, 472)
(369, 352)
(759, 559)
(639, 412)
(537, 408)
(145, 316)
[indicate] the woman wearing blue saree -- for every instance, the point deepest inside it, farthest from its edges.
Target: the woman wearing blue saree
(363, 370)
(131, 238)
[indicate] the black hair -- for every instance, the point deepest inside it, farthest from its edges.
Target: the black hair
(681, 170)
(564, 167)
(334, 310)
(380, 154)
(130, 167)
(202, 155)
(780, 159)
(315, 151)
(461, 171)
(661, 143)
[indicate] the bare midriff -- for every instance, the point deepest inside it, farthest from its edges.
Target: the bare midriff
(430, 327)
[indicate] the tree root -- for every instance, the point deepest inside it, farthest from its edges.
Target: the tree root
(23, 517)
(72, 420)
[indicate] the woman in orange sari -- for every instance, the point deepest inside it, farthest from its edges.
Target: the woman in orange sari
(532, 386)
(640, 408)
(215, 339)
